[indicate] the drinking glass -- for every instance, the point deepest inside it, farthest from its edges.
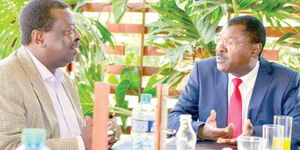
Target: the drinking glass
(250, 143)
(287, 123)
(273, 135)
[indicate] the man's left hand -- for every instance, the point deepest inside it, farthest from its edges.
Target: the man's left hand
(112, 131)
(247, 131)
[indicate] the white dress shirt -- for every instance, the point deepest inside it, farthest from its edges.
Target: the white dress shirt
(66, 116)
(246, 89)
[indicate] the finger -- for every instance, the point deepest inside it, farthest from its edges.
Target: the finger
(212, 116)
(228, 131)
(227, 141)
(224, 132)
(248, 128)
(111, 140)
(88, 120)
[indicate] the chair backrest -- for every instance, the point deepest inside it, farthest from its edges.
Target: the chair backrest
(101, 115)
(161, 117)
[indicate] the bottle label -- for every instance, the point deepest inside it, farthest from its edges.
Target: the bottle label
(142, 126)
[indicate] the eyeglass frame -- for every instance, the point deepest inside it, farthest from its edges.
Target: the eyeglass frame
(233, 44)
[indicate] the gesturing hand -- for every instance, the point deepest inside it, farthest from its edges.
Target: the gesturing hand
(210, 131)
(247, 131)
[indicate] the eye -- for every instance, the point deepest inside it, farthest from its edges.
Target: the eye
(70, 31)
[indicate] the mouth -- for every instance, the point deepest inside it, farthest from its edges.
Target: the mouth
(220, 59)
(75, 48)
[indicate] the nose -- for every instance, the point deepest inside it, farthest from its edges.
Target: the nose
(220, 48)
(77, 36)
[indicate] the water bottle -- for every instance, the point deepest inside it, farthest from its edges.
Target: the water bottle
(33, 139)
(142, 131)
(186, 137)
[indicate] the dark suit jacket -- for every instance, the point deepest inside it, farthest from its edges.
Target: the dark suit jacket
(276, 92)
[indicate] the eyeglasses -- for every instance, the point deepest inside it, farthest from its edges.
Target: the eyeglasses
(229, 43)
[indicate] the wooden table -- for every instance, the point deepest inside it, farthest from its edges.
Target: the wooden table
(202, 146)
(171, 145)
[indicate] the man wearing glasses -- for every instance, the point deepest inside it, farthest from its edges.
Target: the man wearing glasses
(238, 91)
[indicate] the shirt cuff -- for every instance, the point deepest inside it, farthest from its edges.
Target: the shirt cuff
(80, 143)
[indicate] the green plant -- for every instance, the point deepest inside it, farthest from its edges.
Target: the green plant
(290, 44)
(129, 83)
(90, 70)
(9, 26)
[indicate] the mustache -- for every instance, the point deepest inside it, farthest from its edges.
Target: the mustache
(76, 45)
(220, 54)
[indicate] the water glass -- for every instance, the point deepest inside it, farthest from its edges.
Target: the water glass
(250, 143)
(287, 123)
(273, 135)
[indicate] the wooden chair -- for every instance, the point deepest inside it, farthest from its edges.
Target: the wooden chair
(161, 117)
(101, 116)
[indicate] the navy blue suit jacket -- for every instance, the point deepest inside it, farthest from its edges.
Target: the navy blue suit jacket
(276, 92)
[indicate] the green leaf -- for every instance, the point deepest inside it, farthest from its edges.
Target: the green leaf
(131, 74)
(121, 91)
(107, 36)
(118, 9)
(152, 83)
(131, 59)
(112, 79)
(286, 36)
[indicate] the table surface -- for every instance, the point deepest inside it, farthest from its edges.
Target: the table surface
(125, 144)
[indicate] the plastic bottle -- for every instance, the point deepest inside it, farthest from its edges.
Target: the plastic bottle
(33, 139)
(142, 131)
(186, 137)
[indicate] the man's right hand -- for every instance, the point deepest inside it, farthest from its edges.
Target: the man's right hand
(210, 131)
(86, 134)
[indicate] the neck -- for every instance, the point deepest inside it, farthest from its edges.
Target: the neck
(37, 53)
(249, 68)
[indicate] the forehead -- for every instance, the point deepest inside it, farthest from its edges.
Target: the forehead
(63, 16)
(234, 31)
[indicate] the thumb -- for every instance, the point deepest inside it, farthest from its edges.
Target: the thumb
(248, 128)
(212, 117)
(88, 121)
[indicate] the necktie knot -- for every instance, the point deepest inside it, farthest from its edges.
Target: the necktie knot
(236, 82)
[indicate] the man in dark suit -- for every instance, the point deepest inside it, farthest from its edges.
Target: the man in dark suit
(238, 91)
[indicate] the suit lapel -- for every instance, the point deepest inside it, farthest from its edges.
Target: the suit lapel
(261, 86)
(72, 97)
(221, 81)
(39, 88)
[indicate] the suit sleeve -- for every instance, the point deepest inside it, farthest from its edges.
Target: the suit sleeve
(187, 103)
(290, 107)
(13, 118)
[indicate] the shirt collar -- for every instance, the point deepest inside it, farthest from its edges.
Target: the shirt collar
(249, 78)
(45, 73)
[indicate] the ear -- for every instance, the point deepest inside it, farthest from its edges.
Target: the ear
(256, 49)
(37, 37)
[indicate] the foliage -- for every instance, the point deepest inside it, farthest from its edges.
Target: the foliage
(291, 58)
(9, 26)
(93, 35)
(129, 83)
(118, 9)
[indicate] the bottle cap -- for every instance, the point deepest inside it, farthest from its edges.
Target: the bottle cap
(227, 148)
(185, 117)
(33, 135)
(146, 98)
